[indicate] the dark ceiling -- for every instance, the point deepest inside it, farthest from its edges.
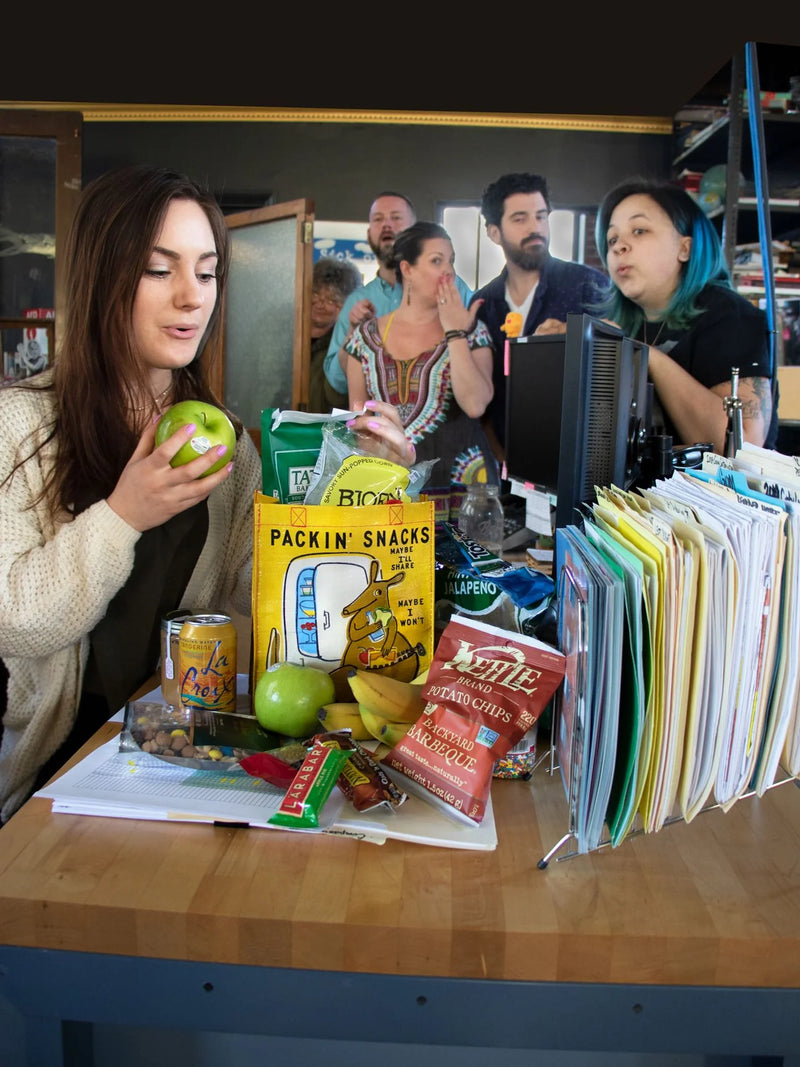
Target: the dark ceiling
(651, 63)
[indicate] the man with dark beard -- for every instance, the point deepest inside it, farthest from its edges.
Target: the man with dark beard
(389, 214)
(543, 290)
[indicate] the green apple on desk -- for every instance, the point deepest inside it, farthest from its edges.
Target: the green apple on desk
(213, 428)
(288, 696)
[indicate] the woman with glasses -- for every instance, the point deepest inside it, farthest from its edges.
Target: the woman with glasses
(333, 280)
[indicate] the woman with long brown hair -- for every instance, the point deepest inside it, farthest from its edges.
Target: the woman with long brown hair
(99, 535)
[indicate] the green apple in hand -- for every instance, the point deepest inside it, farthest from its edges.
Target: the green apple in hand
(213, 428)
(288, 696)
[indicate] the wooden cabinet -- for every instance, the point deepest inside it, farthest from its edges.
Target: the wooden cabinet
(40, 162)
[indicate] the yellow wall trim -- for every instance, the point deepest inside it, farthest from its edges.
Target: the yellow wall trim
(189, 113)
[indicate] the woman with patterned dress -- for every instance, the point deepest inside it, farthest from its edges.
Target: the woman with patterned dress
(433, 362)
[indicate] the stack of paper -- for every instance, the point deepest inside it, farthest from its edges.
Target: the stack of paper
(679, 616)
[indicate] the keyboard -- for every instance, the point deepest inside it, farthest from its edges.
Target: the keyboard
(515, 533)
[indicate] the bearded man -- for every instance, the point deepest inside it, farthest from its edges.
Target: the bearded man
(541, 289)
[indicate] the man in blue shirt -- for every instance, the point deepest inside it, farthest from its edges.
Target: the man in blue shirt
(390, 213)
(541, 288)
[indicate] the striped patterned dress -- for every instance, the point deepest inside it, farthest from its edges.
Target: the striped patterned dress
(422, 392)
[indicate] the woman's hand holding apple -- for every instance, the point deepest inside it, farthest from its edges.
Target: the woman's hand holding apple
(211, 427)
(150, 491)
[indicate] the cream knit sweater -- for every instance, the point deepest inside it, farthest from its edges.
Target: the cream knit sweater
(57, 578)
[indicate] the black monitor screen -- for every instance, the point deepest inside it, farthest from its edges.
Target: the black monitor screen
(577, 411)
(533, 428)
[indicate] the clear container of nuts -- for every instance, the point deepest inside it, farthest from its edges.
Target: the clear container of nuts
(192, 737)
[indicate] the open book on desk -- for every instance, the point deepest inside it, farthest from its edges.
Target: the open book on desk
(136, 785)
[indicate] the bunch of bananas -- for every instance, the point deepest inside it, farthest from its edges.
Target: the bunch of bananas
(344, 715)
(384, 708)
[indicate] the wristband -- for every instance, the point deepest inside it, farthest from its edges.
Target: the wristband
(451, 335)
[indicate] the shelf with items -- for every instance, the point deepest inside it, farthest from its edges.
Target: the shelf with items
(710, 148)
(744, 170)
(785, 220)
(784, 213)
(751, 289)
(748, 270)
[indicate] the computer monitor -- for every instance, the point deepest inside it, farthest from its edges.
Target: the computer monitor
(577, 411)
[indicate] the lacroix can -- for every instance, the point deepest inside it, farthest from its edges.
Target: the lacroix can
(207, 659)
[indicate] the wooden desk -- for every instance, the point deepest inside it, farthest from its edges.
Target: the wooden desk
(687, 940)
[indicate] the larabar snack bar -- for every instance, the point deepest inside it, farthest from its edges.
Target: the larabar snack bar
(485, 689)
(310, 788)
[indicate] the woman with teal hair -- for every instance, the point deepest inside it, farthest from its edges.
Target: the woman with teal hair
(669, 287)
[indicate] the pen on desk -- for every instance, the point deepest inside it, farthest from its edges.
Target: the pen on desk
(182, 816)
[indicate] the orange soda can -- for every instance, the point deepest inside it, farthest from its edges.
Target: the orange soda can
(207, 662)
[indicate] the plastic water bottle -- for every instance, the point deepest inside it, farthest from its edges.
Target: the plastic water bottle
(481, 516)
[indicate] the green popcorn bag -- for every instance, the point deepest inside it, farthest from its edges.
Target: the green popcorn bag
(290, 445)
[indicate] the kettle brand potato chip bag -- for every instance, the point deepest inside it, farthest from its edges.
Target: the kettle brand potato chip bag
(485, 688)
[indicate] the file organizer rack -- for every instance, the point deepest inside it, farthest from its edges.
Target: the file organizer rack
(577, 721)
(553, 853)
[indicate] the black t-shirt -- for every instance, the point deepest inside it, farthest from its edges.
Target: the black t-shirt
(124, 646)
(730, 332)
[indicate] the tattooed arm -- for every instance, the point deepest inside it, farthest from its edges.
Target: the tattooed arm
(756, 397)
(698, 411)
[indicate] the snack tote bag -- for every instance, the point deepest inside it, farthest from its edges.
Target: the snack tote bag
(340, 588)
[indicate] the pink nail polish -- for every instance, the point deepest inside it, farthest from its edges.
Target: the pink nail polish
(371, 404)
(350, 423)
(221, 450)
(189, 429)
(374, 424)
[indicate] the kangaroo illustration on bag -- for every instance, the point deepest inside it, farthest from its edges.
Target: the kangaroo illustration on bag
(374, 642)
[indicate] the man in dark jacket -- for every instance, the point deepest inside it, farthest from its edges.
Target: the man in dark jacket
(543, 290)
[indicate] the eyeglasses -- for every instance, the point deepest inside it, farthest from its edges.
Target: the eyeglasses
(325, 303)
